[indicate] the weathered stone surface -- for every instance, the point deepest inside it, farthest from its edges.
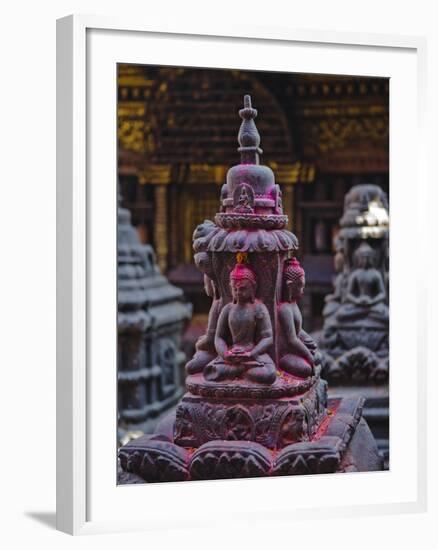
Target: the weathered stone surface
(375, 412)
(155, 458)
(230, 459)
(362, 454)
(270, 422)
(315, 457)
(273, 423)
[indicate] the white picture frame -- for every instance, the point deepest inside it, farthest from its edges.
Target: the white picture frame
(88, 49)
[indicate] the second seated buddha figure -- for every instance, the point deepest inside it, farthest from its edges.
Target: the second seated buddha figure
(297, 350)
(243, 335)
(366, 296)
(333, 301)
(205, 350)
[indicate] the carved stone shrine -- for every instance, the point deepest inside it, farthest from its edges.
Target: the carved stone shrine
(255, 403)
(151, 316)
(354, 340)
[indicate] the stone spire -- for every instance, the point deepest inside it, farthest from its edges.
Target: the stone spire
(248, 137)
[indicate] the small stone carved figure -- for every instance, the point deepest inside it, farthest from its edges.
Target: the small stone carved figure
(278, 200)
(298, 351)
(243, 199)
(333, 301)
(365, 297)
(243, 335)
(205, 350)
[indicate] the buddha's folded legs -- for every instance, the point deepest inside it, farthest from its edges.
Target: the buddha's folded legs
(199, 361)
(380, 312)
(219, 370)
(296, 365)
(264, 374)
(351, 312)
(330, 308)
(261, 370)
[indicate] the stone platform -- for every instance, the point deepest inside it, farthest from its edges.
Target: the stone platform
(343, 443)
(375, 412)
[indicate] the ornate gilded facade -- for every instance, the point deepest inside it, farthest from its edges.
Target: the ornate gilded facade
(323, 135)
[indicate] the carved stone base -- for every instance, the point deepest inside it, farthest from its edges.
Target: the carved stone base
(354, 355)
(273, 423)
(355, 366)
(342, 443)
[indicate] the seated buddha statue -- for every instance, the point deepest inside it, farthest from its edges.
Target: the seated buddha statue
(365, 297)
(333, 301)
(243, 334)
(297, 350)
(205, 350)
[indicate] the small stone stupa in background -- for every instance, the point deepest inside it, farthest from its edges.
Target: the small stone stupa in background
(151, 316)
(255, 403)
(354, 340)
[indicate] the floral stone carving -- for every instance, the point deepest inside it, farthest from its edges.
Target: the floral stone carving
(255, 403)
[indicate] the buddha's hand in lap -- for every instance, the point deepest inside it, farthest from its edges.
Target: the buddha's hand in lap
(237, 354)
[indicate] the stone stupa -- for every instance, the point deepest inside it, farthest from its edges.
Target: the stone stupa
(354, 341)
(255, 403)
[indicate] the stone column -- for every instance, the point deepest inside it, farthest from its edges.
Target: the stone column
(161, 229)
(287, 191)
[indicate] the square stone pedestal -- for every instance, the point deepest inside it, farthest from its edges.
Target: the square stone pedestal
(274, 422)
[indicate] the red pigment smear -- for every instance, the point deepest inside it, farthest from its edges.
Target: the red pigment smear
(289, 378)
(241, 272)
(324, 424)
(274, 453)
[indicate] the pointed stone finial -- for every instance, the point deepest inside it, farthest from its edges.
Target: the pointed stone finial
(248, 137)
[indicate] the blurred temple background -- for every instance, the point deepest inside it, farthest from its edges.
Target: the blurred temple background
(177, 137)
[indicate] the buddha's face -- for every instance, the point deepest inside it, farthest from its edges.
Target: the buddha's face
(339, 261)
(296, 288)
(243, 291)
(365, 259)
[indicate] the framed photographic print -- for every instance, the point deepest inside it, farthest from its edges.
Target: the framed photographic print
(236, 221)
